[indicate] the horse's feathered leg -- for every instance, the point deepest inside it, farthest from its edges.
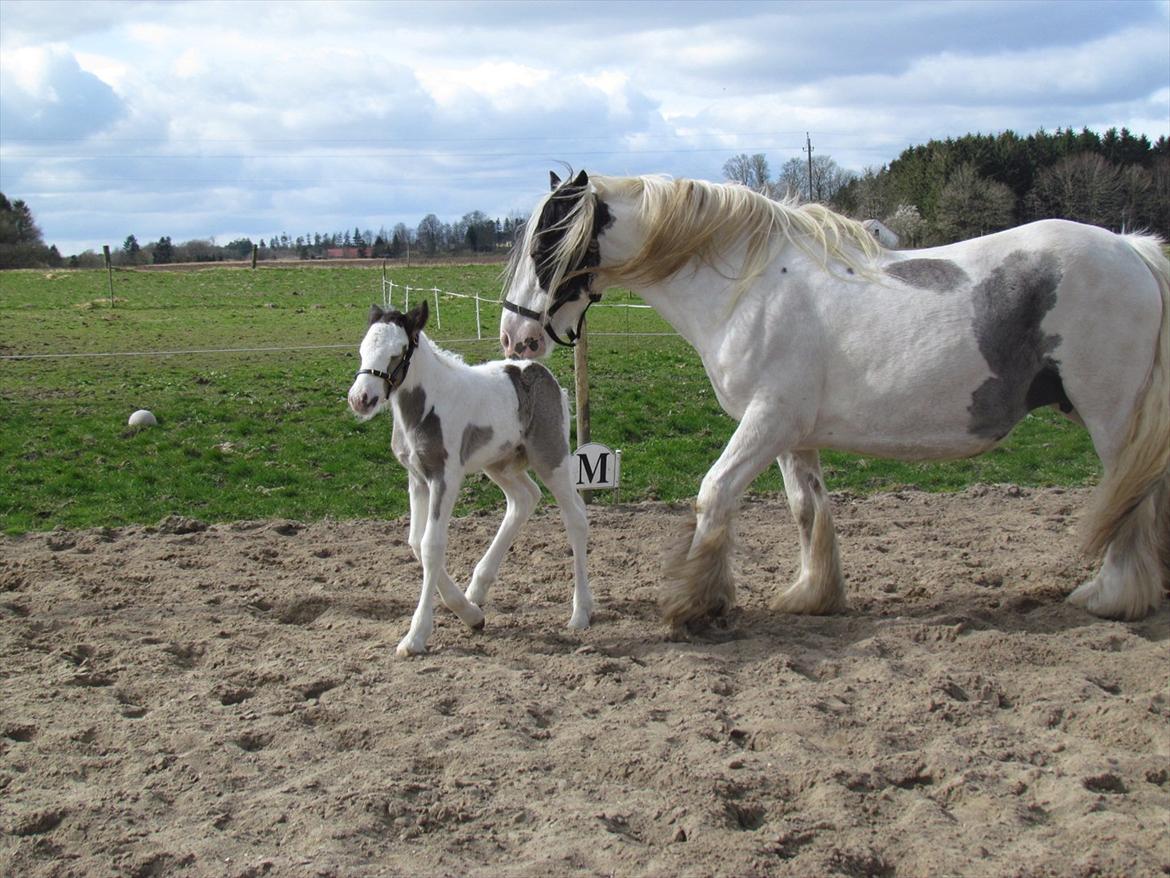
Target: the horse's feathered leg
(698, 582)
(820, 588)
(523, 496)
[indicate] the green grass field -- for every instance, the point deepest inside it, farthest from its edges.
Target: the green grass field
(252, 434)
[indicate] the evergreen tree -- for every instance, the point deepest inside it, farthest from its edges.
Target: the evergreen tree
(163, 251)
(21, 245)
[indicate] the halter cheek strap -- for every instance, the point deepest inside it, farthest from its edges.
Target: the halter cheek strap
(573, 334)
(393, 379)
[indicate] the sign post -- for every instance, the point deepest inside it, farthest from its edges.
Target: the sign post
(581, 389)
(598, 466)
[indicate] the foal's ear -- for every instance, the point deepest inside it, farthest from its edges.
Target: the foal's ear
(376, 314)
(417, 319)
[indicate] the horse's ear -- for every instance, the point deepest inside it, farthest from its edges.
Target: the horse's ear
(417, 319)
(582, 180)
(553, 181)
(376, 314)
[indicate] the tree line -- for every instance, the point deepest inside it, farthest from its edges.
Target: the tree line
(22, 244)
(948, 190)
(475, 233)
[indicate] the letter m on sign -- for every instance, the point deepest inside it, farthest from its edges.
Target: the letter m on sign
(597, 466)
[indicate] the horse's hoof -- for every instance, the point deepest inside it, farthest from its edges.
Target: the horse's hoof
(478, 626)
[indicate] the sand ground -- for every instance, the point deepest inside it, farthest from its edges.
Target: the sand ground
(225, 700)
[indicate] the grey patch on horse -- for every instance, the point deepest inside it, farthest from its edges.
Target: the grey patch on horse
(928, 274)
(427, 439)
(474, 438)
(539, 398)
(411, 405)
(425, 431)
(1010, 304)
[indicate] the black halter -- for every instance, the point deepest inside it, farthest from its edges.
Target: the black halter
(394, 379)
(573, 334)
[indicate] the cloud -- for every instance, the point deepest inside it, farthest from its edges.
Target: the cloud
(45, 95)
(189, 119)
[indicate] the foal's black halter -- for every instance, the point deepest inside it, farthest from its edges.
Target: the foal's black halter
(395, 378)
(546, 321)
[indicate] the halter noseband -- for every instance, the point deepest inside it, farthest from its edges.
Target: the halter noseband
(573, 334)
(393, 379)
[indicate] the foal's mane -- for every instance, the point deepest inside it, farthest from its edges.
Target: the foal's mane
(695, 220)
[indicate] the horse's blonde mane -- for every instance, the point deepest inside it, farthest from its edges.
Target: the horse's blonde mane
(697, 221)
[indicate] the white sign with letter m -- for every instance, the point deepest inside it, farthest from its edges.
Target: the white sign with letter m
(598, 466)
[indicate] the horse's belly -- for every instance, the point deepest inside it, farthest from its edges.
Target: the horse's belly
(933, 423)
(938, 445)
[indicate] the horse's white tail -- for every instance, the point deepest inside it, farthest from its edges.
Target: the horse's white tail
(1142, 469)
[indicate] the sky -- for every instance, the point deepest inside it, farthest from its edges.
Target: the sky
(248, 119)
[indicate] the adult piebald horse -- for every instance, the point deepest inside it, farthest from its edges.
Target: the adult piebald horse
(814, 337)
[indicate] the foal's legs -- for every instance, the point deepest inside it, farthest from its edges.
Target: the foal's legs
(433, 548)
(420, 499)
(560, 483)
(820, 588)
(523, 496)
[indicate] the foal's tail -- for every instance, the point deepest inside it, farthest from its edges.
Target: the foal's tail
(1142, 469)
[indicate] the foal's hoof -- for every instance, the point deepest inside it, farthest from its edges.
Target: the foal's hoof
(478, 626)
(406, 650)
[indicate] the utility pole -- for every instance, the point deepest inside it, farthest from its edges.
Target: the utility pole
(808, 149)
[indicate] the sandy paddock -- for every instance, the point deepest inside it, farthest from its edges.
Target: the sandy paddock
(191, 700)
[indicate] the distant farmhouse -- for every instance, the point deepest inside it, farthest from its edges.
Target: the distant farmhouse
(882, 234)
(344, 253)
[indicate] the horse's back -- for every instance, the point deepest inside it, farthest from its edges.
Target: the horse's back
(955, 344)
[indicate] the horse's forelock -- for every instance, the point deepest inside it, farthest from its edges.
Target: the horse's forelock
(389, 330)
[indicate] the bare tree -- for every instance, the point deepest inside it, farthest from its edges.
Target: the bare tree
(1082, 187)
(793, 180)
(907, 223)
(1135, 188)
(430, 234)
(828, 179)
(971, 205)
(750, 170)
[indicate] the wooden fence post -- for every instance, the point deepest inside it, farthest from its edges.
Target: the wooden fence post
(581, 388)
(109, 271)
